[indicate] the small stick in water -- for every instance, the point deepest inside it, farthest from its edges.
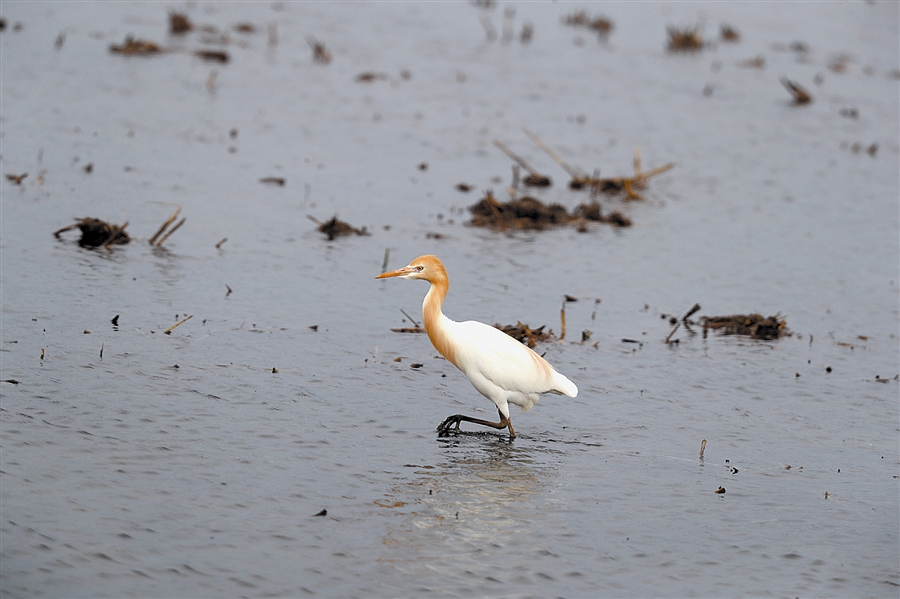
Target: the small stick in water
(562, 319)
(411, 319)
(167, 235)
(702, 448)
(180, 322)
(168, 222)
(387, 255)
(684, 318)
(573, 172)
(534, 178)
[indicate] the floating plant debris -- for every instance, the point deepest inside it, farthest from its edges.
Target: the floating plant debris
(526, 213)
(530, 214)
(135, 47)
(212, 55)
(369, 77)
(580, 18)
(525, 334)
(179, 23)
(684, 40)
(799, 94)
(96, 233)
(607, 185)
(751, 325)
(336, 228)
(321, 54)
(592, 211)
(753, 63)
(729, 33)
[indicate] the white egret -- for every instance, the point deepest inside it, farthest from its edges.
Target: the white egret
(499, 367)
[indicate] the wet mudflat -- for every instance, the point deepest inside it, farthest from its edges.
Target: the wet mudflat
(279, 442)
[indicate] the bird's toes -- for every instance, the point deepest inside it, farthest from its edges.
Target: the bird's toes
(444, 428)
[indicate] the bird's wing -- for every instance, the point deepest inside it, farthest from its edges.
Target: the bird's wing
(507, 363)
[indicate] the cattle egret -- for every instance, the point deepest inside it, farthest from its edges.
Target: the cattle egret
(499, 367)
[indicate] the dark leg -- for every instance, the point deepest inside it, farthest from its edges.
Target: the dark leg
(444, 428)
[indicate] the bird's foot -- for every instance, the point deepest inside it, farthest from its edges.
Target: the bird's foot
(450, 424)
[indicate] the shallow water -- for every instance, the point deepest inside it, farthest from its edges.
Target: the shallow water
(182, 465)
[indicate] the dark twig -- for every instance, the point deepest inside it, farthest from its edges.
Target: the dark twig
(684, 318)
(411, 319)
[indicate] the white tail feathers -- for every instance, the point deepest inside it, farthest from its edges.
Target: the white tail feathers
(563, 385)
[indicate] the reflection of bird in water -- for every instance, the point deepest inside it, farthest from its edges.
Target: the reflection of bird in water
(500, 368)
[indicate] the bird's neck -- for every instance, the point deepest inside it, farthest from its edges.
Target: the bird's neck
(435, 321)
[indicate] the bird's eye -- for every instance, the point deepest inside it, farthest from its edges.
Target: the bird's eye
(420, 268)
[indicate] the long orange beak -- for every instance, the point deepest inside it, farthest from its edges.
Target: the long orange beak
(400, 272)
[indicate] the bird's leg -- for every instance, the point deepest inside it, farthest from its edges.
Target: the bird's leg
(512, 433)
(444, 428)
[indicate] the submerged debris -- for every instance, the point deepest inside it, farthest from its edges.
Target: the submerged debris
(135, 47)
(753, 63)
(96, 233)
(525, 334)
(752, 325)
(336, 228)
(685, 40)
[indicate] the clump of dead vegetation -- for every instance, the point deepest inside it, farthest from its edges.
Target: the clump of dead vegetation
(525, 334)
(336, 228)
(628, 186)
(752, 325)
(530, 214)
(179, 23)
(96, 233)
(524, 213)
(136, 47)
(601, 25)
(688, 39)
(729, 33)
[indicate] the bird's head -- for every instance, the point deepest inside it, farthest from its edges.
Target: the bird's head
(426, 267)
